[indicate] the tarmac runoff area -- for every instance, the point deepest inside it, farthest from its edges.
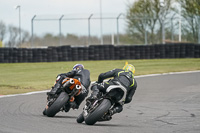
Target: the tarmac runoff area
(163, 103)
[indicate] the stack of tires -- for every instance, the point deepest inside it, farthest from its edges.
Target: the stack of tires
(91, 52)
(197, 51)
(132, 52)
(99, 52)
(109, 52)
(52, 54)
(75, 54)
(96, 52)
(1, 56)
(39, 55)
(64, 53)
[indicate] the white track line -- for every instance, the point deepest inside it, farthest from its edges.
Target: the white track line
(141, 76)
(29, 93)
(150, 75)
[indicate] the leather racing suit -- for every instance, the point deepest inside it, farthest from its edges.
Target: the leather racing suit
(125, 78)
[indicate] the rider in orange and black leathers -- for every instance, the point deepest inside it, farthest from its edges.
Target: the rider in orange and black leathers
(83, 75)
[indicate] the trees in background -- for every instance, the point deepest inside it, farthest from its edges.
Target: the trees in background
(154, 20)
(10, 35)
(148, 22)
(190, 12)
(146, 19)
(2, 31)
(68, 39)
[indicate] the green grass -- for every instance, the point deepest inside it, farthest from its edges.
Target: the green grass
(26, 77)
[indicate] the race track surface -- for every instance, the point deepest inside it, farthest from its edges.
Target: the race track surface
(162, 104)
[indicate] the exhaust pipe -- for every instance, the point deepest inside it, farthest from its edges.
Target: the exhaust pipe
(71, 81)
(78, 87)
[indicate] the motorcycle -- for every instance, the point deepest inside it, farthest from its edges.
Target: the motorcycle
(62, 95)
(99, 109)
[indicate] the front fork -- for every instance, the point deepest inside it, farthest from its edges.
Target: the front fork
(50, 99)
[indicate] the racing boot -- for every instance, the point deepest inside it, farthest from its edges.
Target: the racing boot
(74, 105)
(67, 107)
(107, 117)
(116, 109)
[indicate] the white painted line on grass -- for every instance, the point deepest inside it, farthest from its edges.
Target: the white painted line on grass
(141, 76)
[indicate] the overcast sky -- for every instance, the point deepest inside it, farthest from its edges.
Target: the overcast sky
(55, 8)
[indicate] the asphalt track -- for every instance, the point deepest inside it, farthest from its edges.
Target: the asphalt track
(168, 103)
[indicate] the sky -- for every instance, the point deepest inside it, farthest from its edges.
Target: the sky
(69, 8)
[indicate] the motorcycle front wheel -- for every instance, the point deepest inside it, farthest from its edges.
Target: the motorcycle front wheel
(57, 104)
(93, 117)
(80, 118)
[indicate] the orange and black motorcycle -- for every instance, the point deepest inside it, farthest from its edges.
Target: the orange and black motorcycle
(61, 95)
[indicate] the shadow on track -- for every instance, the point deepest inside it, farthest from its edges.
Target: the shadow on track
(71, 117)
(107, 125)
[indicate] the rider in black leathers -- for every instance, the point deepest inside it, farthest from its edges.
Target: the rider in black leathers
(83, 75)
(125, 77)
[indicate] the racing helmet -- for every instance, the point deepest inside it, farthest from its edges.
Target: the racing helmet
(78, 66)
(129, 67)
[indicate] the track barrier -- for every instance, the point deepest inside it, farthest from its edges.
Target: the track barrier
(99, 52)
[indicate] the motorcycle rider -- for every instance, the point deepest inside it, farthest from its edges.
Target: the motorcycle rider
(125, 77)
(83, 75)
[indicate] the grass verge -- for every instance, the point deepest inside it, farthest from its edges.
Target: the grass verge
(26, 77)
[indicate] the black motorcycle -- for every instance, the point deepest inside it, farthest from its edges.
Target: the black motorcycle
(98, 109)
(61, 95)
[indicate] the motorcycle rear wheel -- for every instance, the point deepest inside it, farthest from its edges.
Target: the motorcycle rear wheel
(93, 117)
(57, 105)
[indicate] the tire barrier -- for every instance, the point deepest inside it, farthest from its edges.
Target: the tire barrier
(99, 52)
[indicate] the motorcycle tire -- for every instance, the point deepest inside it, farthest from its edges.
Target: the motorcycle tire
(44, 112)
(57, 105)
(92, 118)
(80, 118)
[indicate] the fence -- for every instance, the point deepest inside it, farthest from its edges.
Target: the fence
(99, 52)
(114, 27)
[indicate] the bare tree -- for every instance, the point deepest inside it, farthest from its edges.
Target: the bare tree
(147, 17)
(2, 31)
(190, 11)
(13, 36)
(25, 36)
